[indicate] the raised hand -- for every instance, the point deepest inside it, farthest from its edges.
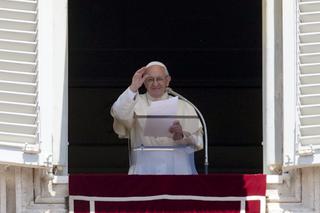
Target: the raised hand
(138, 79)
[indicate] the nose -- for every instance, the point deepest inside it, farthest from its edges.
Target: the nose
(155, 82)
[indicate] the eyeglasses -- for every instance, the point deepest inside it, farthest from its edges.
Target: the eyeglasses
(159, 79)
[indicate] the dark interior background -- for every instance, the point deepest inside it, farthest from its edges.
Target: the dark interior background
(213, 52)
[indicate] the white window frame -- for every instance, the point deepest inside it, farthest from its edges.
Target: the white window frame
(53, 62)
(289, 81)
(45, 67)
(60, 84)
(272, 99)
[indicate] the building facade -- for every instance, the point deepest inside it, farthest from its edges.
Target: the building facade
(34, 105)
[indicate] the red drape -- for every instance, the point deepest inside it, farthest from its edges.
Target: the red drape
(146, 186)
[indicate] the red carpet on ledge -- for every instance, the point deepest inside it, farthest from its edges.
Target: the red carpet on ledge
(223, 193)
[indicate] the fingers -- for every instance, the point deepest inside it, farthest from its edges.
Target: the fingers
(177, 137)
(137, 79)
(176, 122)
(139, 74)
(175, 127)
(176, 131)
(141, 71)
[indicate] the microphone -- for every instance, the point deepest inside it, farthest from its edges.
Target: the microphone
(206, 159)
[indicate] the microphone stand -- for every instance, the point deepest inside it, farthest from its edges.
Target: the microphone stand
(206, 160)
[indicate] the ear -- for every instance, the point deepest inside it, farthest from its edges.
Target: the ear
(168, 80)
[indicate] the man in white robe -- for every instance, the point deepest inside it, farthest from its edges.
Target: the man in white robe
(174, 154)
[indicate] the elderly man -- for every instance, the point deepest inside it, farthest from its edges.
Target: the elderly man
(130, 104)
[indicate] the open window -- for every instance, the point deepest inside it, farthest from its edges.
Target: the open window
(213, 51)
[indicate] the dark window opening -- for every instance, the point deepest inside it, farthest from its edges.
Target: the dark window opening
(213, 50)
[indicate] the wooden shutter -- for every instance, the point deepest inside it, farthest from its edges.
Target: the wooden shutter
(19, 111)
(308, 83)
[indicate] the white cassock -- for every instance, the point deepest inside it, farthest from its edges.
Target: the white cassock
(165, 160)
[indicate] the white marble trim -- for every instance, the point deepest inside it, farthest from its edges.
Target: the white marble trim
(242, 200)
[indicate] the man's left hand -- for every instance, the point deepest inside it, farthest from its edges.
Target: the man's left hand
(176, 130)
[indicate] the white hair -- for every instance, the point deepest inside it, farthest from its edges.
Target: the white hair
(159, 64)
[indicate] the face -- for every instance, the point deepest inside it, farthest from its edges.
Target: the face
(157, 81)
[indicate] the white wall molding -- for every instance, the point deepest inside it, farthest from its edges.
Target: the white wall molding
(299, 193)
(285, 188)
(46, 191)
(28, 190)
